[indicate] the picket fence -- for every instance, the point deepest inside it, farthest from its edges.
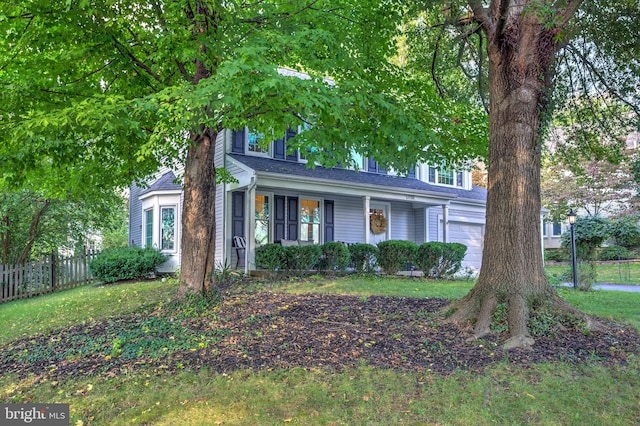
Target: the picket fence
(50, 274)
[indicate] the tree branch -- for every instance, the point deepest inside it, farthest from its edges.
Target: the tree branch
(34, 230)
(136, 62)
(481, 16)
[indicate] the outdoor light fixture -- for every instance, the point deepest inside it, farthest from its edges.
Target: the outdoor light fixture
(572, 221)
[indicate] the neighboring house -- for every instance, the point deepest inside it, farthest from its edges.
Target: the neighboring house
(552, 234)
(277, 197)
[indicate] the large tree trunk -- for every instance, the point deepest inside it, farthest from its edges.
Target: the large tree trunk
(198, 216)
(512, 272)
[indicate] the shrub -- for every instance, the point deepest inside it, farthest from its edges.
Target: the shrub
(271, 257)
(395, 255)
(626, 231)
(590, 233)
(335, 256)
(614, 253)
(364, 256)
(302, 258)
(557, 255)
(126, 263)
(440, 260)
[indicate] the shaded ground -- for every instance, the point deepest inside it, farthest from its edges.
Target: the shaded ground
(278, 330)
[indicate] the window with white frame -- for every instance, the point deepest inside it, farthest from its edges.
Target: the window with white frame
(310, 220)
(262, 215)
(148, 228)
(442, 176)
(256, 143)
(168, 228)
(557, 229)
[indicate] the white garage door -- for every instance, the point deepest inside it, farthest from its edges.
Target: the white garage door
(472, 236)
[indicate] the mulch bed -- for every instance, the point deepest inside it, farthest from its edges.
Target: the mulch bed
(270, 330)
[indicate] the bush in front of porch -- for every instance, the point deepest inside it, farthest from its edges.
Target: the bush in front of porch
(396, 255)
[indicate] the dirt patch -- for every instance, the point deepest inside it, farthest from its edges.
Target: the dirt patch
(269, 330)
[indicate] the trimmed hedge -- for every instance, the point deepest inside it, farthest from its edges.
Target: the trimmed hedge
(395, 255)
(126, 263)
(364, 256)
(271, 257)
(440, 260)
(302, 258)
(335, 256)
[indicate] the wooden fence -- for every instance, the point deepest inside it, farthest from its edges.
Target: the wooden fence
(52, 273)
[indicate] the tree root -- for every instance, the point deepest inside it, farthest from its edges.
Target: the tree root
(478, 309)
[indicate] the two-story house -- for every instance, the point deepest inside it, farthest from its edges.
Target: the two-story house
(277, 197)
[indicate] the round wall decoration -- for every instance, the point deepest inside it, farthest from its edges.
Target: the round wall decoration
(378, 223)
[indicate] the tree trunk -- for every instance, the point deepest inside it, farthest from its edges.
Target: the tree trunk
(198, 216)
(512, 266)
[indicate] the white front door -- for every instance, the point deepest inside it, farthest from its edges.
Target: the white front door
(379, 222)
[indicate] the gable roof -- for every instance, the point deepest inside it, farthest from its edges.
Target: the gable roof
(164, 183)
(270, 165)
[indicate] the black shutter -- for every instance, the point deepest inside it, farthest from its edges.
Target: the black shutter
(293, 219)
(279, 150)
(328, 221)
(412, 172)
(291, 156)
(238, 141)
(372, 166)
(237, 214)
(279, 218)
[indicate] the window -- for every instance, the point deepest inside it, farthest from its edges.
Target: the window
(148, 228)
(445, 177)
(256, 143)
(310, 220)
(557, 229)
(262, 220)
(168, 228)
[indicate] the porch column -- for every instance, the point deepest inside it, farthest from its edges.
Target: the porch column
(367, 224)
(250, 225)
(445, 222)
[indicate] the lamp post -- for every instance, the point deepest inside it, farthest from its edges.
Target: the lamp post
(572, 221)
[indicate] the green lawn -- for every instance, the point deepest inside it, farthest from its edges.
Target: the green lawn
(549, 394)
(618, 273)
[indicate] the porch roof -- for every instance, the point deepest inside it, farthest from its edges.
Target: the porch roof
(291, 168)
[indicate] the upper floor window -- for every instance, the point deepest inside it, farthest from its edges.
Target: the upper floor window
(256, 143)
(445, 177)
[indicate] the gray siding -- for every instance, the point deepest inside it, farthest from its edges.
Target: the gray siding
(419, 222)
(402, 222)
(220, 207)
(135, 215)
(349, 226)
(434, 224)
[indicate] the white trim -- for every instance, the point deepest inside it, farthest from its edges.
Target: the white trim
(160, 193)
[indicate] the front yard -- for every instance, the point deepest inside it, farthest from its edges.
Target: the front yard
(319, 351)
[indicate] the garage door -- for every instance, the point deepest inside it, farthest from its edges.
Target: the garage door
(472, 236)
